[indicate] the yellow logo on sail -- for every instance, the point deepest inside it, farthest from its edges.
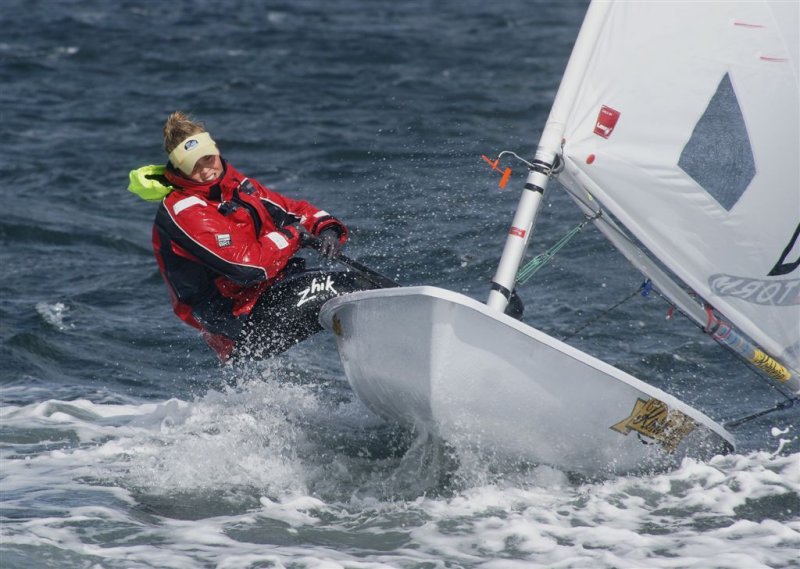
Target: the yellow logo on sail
(654, 419)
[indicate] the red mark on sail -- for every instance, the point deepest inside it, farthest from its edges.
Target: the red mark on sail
(606, 121)
(506, 174)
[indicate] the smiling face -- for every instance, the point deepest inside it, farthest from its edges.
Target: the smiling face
(191, 149)
(207, 169)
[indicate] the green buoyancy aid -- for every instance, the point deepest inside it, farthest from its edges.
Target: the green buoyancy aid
(149, 183)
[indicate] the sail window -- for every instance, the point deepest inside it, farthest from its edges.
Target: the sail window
(718, 156)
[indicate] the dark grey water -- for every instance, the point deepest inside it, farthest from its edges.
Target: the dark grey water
(123, 442)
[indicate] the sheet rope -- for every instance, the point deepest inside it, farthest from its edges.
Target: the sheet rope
(534, 265)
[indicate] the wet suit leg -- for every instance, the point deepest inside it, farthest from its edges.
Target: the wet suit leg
(288, 311)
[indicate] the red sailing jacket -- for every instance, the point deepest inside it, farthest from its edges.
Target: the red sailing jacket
(221, 244)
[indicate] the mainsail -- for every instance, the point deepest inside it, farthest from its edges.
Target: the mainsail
(685, 124)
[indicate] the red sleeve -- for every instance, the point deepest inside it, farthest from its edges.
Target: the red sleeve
(315, 220)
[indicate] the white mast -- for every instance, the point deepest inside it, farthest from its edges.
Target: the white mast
(546, 154)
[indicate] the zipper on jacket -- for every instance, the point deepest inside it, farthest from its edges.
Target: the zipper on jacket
(250, 209)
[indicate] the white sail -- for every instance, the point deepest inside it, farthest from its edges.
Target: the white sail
(686, 126)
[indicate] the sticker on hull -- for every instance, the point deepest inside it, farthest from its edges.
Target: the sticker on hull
(655, 420)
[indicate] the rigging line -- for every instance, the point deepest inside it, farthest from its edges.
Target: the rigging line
(539, 261)
(604, 313)
(782, 405)
(517, 156)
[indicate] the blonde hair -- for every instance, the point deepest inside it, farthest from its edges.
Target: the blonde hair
(179, 127)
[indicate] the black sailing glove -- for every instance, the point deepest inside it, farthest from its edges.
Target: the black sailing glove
(329, 244)
(306, 239)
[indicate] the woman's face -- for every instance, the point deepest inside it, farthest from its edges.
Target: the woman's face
(207, 169)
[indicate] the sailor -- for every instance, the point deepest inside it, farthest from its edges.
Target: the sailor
(226, 246)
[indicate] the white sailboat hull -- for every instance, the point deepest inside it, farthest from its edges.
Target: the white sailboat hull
(436, 360)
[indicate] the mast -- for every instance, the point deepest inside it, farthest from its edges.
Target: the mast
(545, 158)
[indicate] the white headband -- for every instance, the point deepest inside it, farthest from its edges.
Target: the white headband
(192, 149)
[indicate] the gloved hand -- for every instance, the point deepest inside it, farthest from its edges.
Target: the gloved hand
(329, 244)
(306, 239)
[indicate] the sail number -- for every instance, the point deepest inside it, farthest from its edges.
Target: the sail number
(785, 264)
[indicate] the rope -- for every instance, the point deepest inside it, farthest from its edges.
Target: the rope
(532, 267)
(782, 405)
(643, 289)
(517, 156)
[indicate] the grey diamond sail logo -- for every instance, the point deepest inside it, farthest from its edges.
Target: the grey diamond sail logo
(718, 156)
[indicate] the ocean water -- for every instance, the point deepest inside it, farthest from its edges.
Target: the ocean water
(123, 442)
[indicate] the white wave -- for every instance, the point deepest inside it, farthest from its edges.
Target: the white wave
(242, 477)
(53, 314)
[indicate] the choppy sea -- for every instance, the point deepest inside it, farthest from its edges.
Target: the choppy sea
(123, 442)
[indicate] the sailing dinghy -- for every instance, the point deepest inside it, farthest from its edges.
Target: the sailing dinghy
(678, 122)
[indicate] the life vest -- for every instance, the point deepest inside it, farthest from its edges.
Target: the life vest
(149, 183)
